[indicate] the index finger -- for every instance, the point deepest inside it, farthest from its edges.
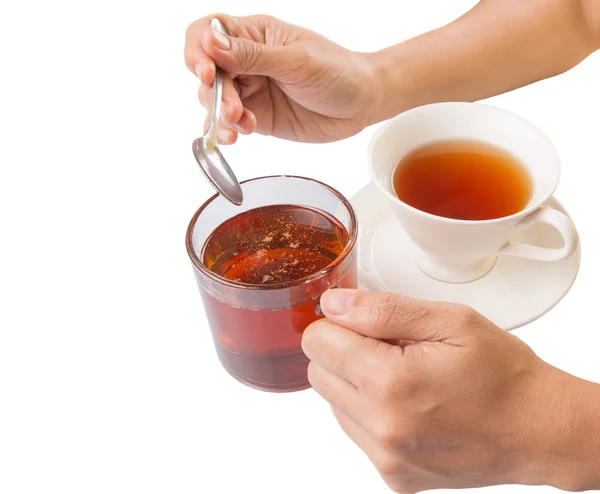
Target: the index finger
(196, 59)
(346, 354)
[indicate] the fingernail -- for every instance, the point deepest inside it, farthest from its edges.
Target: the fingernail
(238, 127)
(223, 135)
(198, 71)
(338, 302)
(221, 40)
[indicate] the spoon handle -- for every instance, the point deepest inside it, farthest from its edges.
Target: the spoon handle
(217, 91)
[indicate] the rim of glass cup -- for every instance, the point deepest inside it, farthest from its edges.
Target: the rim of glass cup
(352, 236)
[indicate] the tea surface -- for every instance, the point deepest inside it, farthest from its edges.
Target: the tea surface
(462, 179)
(274, 244)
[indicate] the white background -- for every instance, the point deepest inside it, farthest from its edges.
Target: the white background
(109, 382)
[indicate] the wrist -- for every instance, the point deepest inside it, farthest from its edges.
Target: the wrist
(577, 451)
(405, 76)
(387, 100)
(562, 440)
(373, 91)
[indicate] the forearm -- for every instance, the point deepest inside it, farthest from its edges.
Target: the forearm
(498, 46)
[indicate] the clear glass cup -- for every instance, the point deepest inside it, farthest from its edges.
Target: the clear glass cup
(257, 329)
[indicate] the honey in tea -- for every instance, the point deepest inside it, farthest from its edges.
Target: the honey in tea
(463, 179)
(265, 247)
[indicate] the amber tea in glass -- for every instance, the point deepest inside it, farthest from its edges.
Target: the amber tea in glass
(262, 268)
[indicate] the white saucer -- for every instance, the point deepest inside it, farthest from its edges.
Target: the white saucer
(514, 293)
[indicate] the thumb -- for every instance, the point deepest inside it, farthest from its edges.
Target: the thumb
(244, 56)
(394, 317)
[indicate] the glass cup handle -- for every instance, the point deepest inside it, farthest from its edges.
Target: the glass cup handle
(554, 218)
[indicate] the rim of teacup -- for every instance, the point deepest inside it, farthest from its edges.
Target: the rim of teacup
(520, 214)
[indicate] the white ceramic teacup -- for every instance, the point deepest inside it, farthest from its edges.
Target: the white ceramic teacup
(459, 250)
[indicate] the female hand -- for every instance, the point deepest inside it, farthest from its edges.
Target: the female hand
(282, 80)
(438, 397)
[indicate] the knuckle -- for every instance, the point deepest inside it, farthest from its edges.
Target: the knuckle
(195, 28)
(313, 375)
(464, 316)
(320, 383)
(384, 383)
(384, 388)
(404, 438)
(385, 432)
(394, 433)
(192, 28)
(404, 389)
(411, 386)
(387, 465)
(193, 33)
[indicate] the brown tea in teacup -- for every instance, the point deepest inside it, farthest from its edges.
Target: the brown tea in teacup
(464, 180)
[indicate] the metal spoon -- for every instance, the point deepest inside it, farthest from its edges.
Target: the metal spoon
(207, 154)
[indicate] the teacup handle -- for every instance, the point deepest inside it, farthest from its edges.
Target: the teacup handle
(552, 217)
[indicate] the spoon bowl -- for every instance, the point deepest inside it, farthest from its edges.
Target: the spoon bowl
(216, 170)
